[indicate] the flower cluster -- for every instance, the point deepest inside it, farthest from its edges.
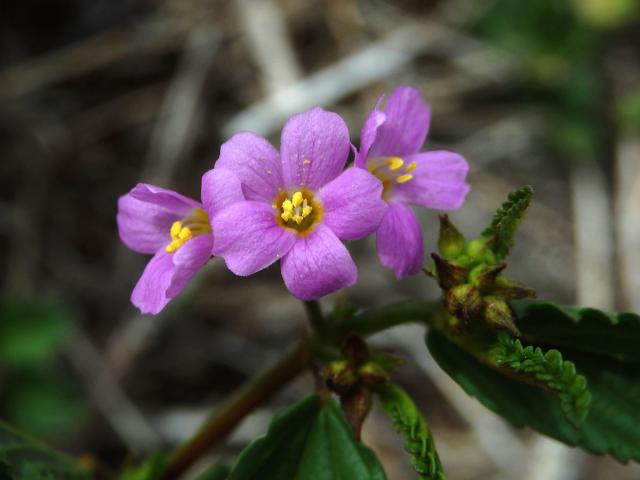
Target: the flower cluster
(299, 205)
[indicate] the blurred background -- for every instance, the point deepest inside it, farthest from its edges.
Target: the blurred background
(97, 95)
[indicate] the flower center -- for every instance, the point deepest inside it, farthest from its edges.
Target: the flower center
(187, 228)
(299, 211)
(390, 171)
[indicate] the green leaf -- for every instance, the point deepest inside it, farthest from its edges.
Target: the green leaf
(547, 369)
(22, 458)
(613, 334)
(216, 472)
(151, 469)
(411, 424)
(309, 440)
(506, 221)
(31, 332)
(611, 426)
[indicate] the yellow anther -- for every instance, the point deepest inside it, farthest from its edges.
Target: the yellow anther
(297, 199)
(395, 163)
(411, 167)
(404, 178)
(175, 229)
(187, 228)
(297, 210)
(185, 234)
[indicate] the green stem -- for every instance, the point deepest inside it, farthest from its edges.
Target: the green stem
(316, 319)
(376, 320)
(259, 388)
(236, 407)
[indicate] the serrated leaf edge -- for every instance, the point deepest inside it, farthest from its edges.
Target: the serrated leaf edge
(418, 441)
(506, 220)
(548, 369)
(525, 309)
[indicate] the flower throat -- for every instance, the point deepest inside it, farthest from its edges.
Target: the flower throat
(187, 228)
(299, 211)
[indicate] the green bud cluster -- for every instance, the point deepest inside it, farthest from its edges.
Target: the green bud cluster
(353, 377)
(470, 275)
(355, 369)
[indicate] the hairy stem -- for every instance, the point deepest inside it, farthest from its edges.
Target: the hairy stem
(236, 407)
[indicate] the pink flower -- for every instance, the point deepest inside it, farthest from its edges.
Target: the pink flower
(296, 206)
(389, 144)
(175, 229)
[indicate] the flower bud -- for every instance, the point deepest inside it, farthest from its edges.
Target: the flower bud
(512, 290)
(451, 241)
(340, 376)
(477, 250)
(373, 374)
(464, 302)
(497, 314)
(485, 276)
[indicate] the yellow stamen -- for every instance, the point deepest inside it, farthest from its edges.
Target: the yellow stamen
(175, 229)
(411, 167)
(185, 234)
(404, 178)
(183, 230)
(394, 163)
(295, 210)
(296, 199)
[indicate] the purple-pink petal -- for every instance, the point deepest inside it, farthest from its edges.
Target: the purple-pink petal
(406, 125)
(399, 241)
(220, 188)
(145, 216)
(167, 274)
(189, 258)
(369, 133)
(318, 264)
(163, 197)
(150, 293)
(248, 237)
(438, 181)
(314, 148)
(352, 203)
(255, 162)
